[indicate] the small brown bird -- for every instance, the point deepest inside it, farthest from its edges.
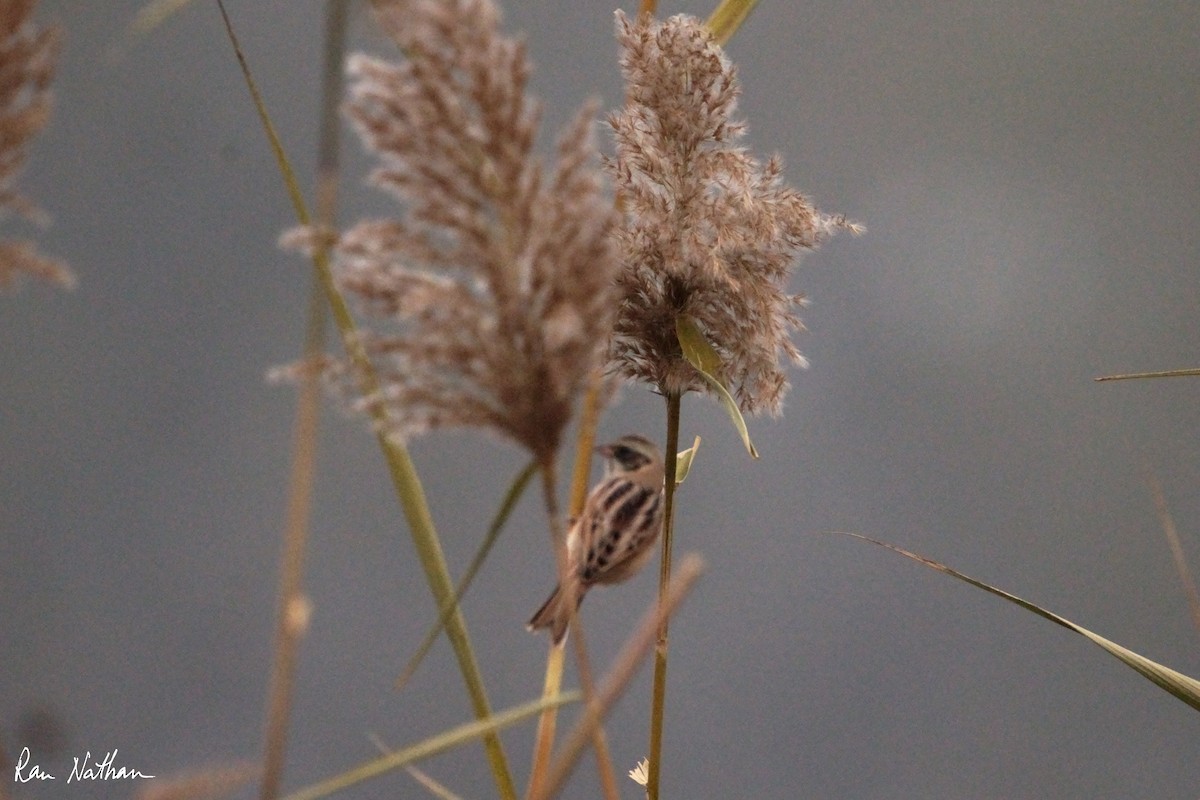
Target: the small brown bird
(615, 534)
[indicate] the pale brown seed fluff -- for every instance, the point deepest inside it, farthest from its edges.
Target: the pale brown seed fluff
(708, 230)
(28, 55)
(489, 297)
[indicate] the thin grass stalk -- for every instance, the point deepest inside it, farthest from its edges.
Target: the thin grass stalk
(293, 605)
(426, 780)
(485, 548)
(400, 467)
(433, 562)
(439, 743)
(1174, 543)
(337, 16)
(555, 657)
(292, 612)
(1170, 373)
(589, 418)
(435, 787)
(727, 17)
(547, 723)
(585, 444)
(621, 673)
(153, 14)
(658, 701)
(604, 764)
(558, 533)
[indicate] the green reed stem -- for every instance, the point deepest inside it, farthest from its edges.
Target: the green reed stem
(727, 17)
(658, 703)
(433, 562)
(485, 548)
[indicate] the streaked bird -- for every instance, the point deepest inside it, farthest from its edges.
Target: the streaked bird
(615, 534)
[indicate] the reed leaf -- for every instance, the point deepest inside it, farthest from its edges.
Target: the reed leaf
(1176, 683)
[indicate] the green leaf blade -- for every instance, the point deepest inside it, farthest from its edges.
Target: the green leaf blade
(433, 745)
(683, 461)
(1183, 687)
(707, 362)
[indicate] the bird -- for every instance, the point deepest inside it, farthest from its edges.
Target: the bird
(614, 536)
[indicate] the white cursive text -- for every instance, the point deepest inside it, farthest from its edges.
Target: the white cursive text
(103, 770)
(33, 773)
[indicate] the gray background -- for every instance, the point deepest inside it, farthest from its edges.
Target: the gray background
(1029, 178)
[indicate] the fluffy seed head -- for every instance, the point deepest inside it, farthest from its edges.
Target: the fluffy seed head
(708, 230)
(491, 295)
(28, 56)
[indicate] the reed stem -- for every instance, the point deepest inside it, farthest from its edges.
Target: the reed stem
(658, 702)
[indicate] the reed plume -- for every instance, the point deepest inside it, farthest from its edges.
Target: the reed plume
(28, 57)
(708, 230)
(490, 296)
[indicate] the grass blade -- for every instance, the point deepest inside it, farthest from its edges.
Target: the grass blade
(153, 14)
(1175, 545)
(1170, 373)
(506, 506)
(1176, 683)
(683, 461)
(428, 747)
(727, 17)
(706, 361)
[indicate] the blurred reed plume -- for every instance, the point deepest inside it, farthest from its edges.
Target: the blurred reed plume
(28, 57)
(490, 297)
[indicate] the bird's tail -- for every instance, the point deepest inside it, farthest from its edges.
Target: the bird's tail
(555, 614)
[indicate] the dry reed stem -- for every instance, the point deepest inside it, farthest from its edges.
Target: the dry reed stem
(619, 675)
